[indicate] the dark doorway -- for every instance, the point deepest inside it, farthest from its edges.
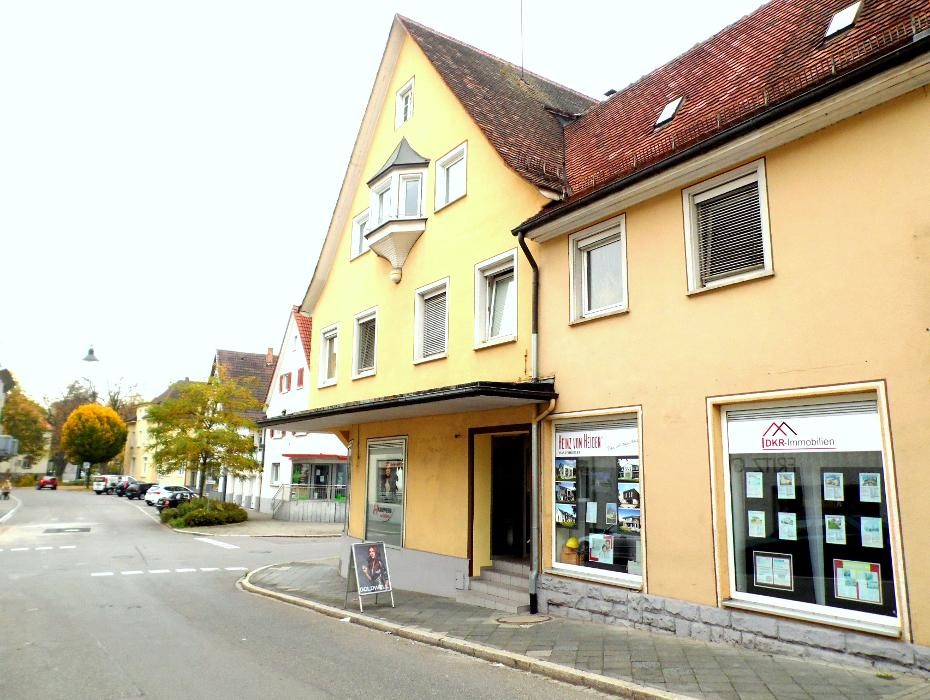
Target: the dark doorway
(510, 496)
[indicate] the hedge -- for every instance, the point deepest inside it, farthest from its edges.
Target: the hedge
(202, 511)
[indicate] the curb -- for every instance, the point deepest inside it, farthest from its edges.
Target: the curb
(200, 533)
(604, 684)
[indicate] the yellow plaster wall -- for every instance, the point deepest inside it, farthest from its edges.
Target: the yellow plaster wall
(849, 301)
(468, 231)
(436, 482)
(481, 532)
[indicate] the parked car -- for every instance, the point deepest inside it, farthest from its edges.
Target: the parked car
(124, 483)
(105, 483)
(154, 493)
(173, 499)
(48, 481)
(138, 489)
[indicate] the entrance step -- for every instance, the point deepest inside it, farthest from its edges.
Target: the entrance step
(503, 586)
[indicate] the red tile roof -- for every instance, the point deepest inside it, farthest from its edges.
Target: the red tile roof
(770, 56)
(305, 328)
(240, 365)
(509, 105)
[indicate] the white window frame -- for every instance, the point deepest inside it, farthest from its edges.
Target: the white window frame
(402, 180)
(838, 617)
(329, 337)
(459, 153)
(360, 318)
(377, 215)
(406, 89)
(579, 244)
(359, 227)
(422, 294)
(275, 473)
(484, 271)
(732, 179)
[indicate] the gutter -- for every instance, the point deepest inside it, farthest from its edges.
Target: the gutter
(918, 45)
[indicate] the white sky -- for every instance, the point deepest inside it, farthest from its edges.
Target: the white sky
(168, 169)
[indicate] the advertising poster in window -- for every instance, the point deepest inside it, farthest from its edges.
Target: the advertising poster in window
(602, 462)
(822, 506)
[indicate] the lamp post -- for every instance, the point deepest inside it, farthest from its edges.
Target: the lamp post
(89, 357)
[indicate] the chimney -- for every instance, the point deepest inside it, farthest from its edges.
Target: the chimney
(269, 357)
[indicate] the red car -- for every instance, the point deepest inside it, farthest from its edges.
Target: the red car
(48, 481)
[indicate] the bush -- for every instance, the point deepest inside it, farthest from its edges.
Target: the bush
(26, 480)
(199, 512)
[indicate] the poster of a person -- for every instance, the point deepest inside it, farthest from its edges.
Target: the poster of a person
(371, 569)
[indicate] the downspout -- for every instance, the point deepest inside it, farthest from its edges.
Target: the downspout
(534, 432)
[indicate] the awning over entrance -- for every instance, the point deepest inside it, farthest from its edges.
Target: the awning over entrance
(461, 398)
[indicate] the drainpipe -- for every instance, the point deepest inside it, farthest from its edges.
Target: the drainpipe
(534, 433)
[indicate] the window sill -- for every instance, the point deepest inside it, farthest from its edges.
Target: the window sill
(431, 358)
(885, 629)
(328, 382)
(439, 207)
(634, 583)
(358, 255)
(363, 375)
(730, 282)
(598, 315)
(496, 341)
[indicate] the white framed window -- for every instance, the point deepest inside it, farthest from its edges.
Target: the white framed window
(431, 322)
(359, 227)
(329, 353)
(382, 203)
(598, 499)
(275, 473)
(451, 176)
(496, 300)
(366, 341)
(403, 109)
(727, 228)
(411, 196)
(810, 526)
(598, 278)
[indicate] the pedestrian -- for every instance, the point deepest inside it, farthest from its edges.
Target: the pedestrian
(5, 489)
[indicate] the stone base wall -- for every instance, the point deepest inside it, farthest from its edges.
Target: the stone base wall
(597, 602)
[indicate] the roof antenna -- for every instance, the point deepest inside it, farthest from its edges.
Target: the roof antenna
(521, 40)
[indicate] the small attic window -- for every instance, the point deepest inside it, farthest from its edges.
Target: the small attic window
(669, 112)
(403, 108)
(843, 19)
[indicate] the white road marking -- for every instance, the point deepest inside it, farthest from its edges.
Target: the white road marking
(20, 549)
(184, 571)
(131, 573)
(4, 518)
(224, 545)
(209, 568)
(159, 571)
(138, 572)
(236, 568)
(147, 514)
(68, 546)
(102, 573)
(38, 549)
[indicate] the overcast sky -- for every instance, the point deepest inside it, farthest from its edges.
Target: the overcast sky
(168, 169)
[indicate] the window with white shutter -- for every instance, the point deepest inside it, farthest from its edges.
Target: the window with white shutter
(496, 300)
(366, 335)
(432, 321)
(726, 222)
(328, 355)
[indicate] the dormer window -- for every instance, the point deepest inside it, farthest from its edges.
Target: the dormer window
(404, 104)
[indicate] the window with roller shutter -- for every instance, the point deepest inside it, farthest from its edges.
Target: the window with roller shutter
(431, 322)
(366, 332)
(726, 222)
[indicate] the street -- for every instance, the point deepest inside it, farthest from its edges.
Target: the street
(99, 600)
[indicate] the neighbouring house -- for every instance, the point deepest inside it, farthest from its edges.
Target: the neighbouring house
(258, 369)
(730, 258)
(304, 475)
(137, 453)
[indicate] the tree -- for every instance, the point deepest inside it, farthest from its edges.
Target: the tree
(25, 420)
(77, 394)
(204, 427)
(124, 400)
(93, 433)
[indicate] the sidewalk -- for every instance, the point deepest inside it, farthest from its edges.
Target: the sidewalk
(263, 525)
(618, 660)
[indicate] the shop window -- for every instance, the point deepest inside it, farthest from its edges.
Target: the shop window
(328, 354)
(727, 228)
(366, 336)
(387, 473)
(496, 300)
(808, 510)
(431, 322)
(598, 498)
(450, 177)
(598, 270)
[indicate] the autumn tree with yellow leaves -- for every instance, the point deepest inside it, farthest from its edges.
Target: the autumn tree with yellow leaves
(93, 433)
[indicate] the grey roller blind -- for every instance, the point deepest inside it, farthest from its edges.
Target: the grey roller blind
(366, 345)
(434, 325)
(730, 233)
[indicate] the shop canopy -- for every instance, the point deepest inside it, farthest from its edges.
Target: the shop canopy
(460, 398)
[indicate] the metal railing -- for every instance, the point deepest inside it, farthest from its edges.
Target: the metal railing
(306, 492)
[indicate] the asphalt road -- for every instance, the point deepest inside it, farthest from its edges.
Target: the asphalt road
(99, 600)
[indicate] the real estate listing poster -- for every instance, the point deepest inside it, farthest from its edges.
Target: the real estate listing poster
(870, 487)
(754, 485)
(834, 529)
(785, 482)
(857, 580)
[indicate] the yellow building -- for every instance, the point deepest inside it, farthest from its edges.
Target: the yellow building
(732, 310)
(137, 454)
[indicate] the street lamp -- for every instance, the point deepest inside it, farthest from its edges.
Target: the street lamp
(91, 357)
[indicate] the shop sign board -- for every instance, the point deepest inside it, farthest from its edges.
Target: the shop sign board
(369, 564)
(856, 432)
(597, 443)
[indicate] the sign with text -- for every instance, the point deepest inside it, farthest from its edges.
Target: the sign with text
(854, 432)
(597, 443)
(371, 568)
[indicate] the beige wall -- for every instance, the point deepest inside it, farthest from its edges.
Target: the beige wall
(849, 301)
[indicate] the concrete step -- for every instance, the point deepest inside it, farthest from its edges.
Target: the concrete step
(508, 566)
(492, 602)
(504, 577)
(518, 594)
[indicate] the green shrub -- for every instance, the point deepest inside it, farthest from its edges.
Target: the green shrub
(168, 514)
(26, 480)
(199, 512)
